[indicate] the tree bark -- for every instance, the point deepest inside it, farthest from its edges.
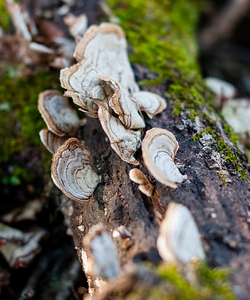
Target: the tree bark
(218, 200)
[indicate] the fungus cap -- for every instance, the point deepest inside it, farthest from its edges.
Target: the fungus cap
(72, 172)
(57, 113)
(179, 238)
(138, 177)
(101, 253)
(149, 102)
(158, 151)
(123, 141)
(50, 140)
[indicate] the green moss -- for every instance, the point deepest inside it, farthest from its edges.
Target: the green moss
(4, 17)
(233, 136)
(223, 147)
(223, 178)
(207, 283)
(162, 34)
(20, 121)
(196, 281)
(197, 136)
(192, 113)
(150, 82)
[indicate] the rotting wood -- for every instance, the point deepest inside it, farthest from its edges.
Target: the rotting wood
(219, 210)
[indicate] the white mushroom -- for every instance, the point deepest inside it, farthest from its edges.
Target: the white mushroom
(50, 140)
(149, 102)
(158, 151)
(101, 253)
(179, 238)
(124, 141)
(145, 186)
(58, 115)
(71, 170)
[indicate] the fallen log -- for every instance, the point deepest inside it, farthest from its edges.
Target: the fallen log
(217, 187)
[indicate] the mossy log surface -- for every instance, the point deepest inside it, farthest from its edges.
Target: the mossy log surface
(217, 196)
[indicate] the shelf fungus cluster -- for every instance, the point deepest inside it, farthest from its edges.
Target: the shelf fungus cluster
(179, 238)
(71, 168)
(102, 84)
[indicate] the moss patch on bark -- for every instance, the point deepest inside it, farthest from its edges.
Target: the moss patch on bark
(20, 121)
(163, 37)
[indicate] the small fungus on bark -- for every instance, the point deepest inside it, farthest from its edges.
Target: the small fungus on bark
(101, 253)
(159, 148)
(57, 113)
(149, 102)
(50, 140)
(179, 238)
(72, 172)
(145, 186)
(123, 141)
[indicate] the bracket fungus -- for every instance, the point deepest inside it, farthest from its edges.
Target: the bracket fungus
(18, 247)
(24, 25)
(123, 104)
(149, 102)
(179, 238)
(77, 24)
(101, 252)
(103, 85)
(221, 88)
(123, 141)
(158, 151)
(149, 190)
(57, 113)
(83, 86)
(105, 47)
(145, 186)
(71, 170)
(103, 77)
(50, 140)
